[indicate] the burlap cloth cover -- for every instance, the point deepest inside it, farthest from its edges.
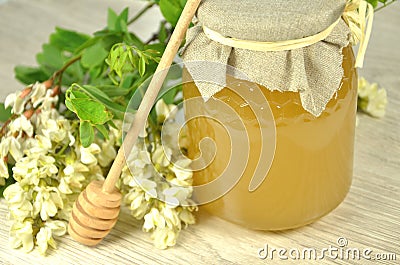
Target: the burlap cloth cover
(314, 71)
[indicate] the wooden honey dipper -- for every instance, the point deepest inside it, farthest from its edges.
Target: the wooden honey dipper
(96, 210)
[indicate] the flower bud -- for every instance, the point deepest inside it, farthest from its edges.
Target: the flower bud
(48, 83)
(25, 92)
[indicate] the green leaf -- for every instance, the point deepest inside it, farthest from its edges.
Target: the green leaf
(86, 108)
(374, 3)
(90, 110)
(110, 40)
(169, 96)
(9, 181)
(163, 32)
(171, 10)
(68, 40)
(133, 40)
(183, 3)
(155, 49)
(111, 19)
(118, 23)
(142, 65)
(51, 57)
(124, 15)
(98, 95)
(88, 43)
(114, 91)
(86, 134)
(29, 75)
(94, 56)
(5, 114)
(169, 89)
(74, 72)
(103, 130)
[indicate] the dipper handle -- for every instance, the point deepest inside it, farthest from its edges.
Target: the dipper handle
(151, 93)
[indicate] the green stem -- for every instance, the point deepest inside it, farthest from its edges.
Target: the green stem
(141, 12)
(384, 5)
(60, 72)
(62, 150)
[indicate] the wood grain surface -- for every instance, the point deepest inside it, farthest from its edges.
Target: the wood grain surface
(368, 218)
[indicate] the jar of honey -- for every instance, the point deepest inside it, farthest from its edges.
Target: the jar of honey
(307, 95)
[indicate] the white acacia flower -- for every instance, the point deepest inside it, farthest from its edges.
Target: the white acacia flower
(47, 202)
(141, 160)
(31, 147)
(26, 171)
(175, 196)
(41, 119)
(138, 205)
(44, 239)
(46, 166)
(17, 101)
(182, 173)
(95, 173)
(21, 235)
(13, 146)
(88, 154)
(372, 99)
(165, 111)
(107, 154)
(65, 213)
(43, 142)
(21, 124)
(49, 100)
(366, 89)
(134, 175)
(21, 211)
(19, 201)
(58, 228)
(53, 131)
(186, 217)
(171, 217)
(126, 177)
(74, 177)
(45, 236)
(15, 194)
(3, 172)
(153, 220)
(149, 187)
(72, 139)
(10, 100)
(171, 135)
(4, 147)
(38, 94)
(29, 170)
(164, 237)
(377, 104)
(162, 156)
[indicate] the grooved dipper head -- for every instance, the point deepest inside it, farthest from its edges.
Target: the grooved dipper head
(94, 214)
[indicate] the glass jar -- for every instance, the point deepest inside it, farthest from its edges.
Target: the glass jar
(311, 171)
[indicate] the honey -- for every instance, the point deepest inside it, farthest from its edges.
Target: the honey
(312, 166)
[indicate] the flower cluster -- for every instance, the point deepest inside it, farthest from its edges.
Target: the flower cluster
(40, 149)
(371, 98)
(49, 165)
(156, 182)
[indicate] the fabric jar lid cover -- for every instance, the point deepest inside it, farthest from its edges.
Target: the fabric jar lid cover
(315, 71)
